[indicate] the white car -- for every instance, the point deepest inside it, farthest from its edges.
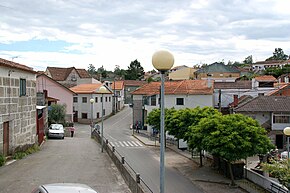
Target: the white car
(284, 155)
(56, 131)
(63, 188)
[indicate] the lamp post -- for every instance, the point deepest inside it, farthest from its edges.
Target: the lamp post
(162, 61)
(102, 90)
(286, 132)
(92, 103)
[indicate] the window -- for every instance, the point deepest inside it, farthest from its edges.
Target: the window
(109, 99)
(179, 101)
(104, 112)
(22, 91)
(75, 99)
(84, 99)
(98, 115)
(101, 99)
(84, 115)
(153, 100)
(96, 99)
(281, 119)
(106, 99)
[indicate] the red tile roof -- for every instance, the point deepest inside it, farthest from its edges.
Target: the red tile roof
(11, 64)
(118, 85)
(83, 73)
(87, 88)
(191, 87)
(266, 78)
(134, 82)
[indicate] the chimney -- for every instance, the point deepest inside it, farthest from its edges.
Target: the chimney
(236, 101)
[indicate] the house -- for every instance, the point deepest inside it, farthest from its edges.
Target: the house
(70, 77)
(219, 72)
(181, 73)
(272, 112)
(18, 107)
(178, 94)
(283, 90)
(225, 93)
(54, 92)
(84, 110)
(119, 95)
(284, 78)
(130, 86)
(263, 65)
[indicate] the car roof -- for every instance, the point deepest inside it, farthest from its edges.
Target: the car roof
(68, 188)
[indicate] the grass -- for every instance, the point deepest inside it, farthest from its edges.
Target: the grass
(21, 154)
(2, 160)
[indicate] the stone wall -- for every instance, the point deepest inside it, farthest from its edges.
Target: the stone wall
(19, 112)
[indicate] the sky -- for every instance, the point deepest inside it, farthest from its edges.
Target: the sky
(111, 33)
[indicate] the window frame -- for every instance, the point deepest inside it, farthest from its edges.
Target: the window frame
(180, 101)
(22, 87)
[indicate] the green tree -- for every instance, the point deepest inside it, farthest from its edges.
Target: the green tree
(119, 73)
(231, 137)
(135, 71)
(102, 71)
(178, 121)
(248, 60)
(276, 71)
(278, 54)
(279, 170)
(56, 114)
(92, 70)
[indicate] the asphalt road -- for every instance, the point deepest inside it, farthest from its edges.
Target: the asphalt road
(145, 160)
(74, 160)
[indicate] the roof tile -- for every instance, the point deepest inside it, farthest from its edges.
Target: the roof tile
(191, 87)
(11, 64)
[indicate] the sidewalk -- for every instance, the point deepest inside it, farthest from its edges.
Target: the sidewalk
(206, 177)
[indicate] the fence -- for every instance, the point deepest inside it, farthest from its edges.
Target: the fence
(131, 177)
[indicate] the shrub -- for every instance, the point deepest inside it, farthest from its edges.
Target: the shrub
(19, 155)
(2, 160)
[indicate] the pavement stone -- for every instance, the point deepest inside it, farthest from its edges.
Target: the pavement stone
(206, 177)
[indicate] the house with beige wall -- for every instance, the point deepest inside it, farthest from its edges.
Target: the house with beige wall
(181, 73)
(17, 107)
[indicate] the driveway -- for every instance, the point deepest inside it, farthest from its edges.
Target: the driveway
(76, 160)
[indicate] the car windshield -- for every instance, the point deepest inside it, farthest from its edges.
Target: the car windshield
(56, 127)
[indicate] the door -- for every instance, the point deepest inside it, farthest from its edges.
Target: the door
(6, 138)
(279, 141)
(75, 117)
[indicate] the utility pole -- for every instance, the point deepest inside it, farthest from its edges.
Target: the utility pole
(220, 100)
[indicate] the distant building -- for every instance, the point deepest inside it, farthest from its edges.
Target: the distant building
(130, 86)
(70, 77)
(219, 72)
(181, 73)
(263, 65)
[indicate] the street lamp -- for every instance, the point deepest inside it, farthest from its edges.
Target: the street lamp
(92, 103)
(102, 90)
(286, 132)
(162, 61)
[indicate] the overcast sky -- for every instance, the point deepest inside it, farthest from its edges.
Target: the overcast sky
(41, 33)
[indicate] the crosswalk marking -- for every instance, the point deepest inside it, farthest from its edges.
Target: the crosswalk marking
(126, 143)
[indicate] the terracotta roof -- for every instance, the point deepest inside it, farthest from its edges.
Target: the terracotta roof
(88, 88)
(83, 73)
(233, 85)
(191, 87)
(266, 104)
(11, 64)
(61, 74)
(282, 87)
(134, 82)
(266, 78)
(118, 85)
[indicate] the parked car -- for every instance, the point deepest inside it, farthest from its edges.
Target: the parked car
(284, 155)
(64, 188)
(56, 131)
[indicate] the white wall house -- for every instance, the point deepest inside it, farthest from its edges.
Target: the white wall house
(84, 110)
(178, 94)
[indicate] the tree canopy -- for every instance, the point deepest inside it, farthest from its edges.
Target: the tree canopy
(56, 114)
(135, 71)
(102, 71)
(278, 54)
(277, 71)
(92, 70)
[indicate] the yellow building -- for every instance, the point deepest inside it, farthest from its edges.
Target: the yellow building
(181, 73)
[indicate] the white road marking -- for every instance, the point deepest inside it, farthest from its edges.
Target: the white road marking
(121, 144)
(130, 143)
(125, 143)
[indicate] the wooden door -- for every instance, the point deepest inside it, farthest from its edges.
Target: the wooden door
(6, 138)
